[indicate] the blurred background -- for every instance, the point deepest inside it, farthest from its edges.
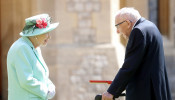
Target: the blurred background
(85, 46)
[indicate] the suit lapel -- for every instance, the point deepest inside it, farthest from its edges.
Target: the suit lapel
(35, 51)
(131, 36)
(39, 59)
(137, 23)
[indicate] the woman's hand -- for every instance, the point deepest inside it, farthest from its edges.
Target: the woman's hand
(51, 92)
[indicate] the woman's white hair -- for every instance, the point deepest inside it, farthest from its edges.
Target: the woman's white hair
(129, 13)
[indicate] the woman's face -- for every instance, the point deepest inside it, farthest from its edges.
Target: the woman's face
(43, 39)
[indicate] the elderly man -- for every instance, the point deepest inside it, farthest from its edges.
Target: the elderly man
(143, 73)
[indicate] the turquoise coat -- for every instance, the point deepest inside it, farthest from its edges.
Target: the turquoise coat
(28, 75)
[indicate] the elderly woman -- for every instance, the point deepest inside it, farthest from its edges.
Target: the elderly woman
(28, 75)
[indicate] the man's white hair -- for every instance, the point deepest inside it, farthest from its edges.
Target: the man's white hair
(129, 13)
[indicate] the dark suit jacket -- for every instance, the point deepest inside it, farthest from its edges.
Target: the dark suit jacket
(143, 73)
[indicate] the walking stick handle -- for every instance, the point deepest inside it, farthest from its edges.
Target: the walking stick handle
(99, 96)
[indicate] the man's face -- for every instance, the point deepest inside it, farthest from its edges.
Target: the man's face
(123, 27)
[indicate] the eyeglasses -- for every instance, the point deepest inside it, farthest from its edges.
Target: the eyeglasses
(120, 23)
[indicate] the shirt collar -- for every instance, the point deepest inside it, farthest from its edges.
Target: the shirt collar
(134, 24)
(26, 39)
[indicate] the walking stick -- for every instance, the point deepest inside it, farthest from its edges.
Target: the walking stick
(99, 96)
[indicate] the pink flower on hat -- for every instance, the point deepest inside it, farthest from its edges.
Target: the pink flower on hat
(41, 23)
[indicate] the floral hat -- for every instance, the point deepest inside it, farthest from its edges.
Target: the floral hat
(37, 25)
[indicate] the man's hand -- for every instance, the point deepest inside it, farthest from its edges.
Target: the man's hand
(107, 96)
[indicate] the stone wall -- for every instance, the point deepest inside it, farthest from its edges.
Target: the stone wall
(169, 46)
(172, 22)
(141, 6)
(82, 48)
(75, 66)
(153, 11)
